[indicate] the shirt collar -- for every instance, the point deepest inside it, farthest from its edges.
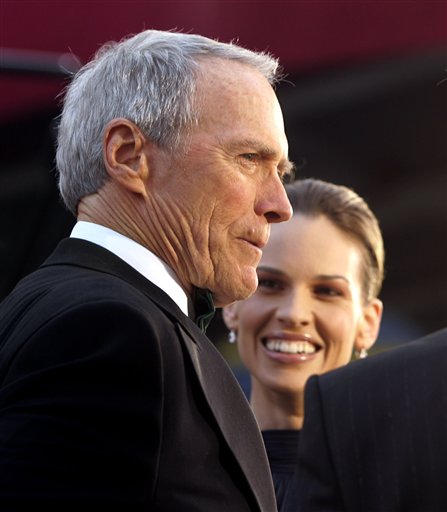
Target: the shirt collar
(137, 256)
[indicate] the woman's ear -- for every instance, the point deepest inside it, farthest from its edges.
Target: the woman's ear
(230, 316)
(370, 325)
(125, 158)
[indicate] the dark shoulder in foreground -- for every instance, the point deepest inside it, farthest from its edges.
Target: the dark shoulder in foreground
(432, 347)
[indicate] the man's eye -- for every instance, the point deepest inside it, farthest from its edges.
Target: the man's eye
(249, 156)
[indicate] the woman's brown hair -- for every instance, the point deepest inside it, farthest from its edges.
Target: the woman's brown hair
(352, 215)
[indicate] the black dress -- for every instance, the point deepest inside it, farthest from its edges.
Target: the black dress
(282, 452)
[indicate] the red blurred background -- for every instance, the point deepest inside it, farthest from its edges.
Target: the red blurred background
(306, 35)
(364, 105)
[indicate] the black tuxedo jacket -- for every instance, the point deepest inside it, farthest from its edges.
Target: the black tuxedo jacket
(375, 434)
(111, 397)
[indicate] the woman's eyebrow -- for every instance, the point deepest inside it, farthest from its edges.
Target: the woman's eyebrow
(270, 270)
(329, 277)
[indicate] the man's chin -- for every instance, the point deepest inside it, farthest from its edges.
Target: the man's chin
(235, 291)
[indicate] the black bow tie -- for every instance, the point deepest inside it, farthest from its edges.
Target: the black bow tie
(203, 307)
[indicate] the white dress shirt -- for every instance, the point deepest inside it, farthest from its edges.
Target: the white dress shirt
(135, 255)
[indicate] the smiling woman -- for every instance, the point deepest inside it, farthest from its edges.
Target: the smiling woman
(316, 303)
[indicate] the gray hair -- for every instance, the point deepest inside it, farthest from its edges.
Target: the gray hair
(149, 79)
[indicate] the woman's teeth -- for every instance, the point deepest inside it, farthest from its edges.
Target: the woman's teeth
(290, 347)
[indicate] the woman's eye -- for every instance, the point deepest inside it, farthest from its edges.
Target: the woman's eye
(268, 284)
(327, 291)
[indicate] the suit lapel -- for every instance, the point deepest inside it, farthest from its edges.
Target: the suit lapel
(233, 415)
(223, 394)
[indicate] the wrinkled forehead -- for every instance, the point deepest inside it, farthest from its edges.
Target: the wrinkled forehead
(238, 94)
(223, 78)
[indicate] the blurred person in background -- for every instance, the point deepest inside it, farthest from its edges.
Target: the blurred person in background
(316, 303)
(374, 437)
(171, 152)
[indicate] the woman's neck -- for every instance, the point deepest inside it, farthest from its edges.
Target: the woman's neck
(276, 410)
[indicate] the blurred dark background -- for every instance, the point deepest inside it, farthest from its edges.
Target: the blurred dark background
(364, 104)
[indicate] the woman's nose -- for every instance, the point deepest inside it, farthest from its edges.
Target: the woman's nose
(295, 309)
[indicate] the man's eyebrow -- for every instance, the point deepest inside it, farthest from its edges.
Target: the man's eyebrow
(287, 167)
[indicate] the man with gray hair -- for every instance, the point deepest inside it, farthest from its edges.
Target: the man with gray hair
(171, 152)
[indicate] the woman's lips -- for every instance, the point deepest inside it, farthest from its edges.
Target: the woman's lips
(290, 348)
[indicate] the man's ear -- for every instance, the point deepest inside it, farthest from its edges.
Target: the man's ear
(230, 316)
(124, 155)
(370, 325)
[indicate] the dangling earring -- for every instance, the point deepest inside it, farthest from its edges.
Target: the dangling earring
(361, 354)
(232, 336)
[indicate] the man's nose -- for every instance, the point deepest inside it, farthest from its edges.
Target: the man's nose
(275, 205)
